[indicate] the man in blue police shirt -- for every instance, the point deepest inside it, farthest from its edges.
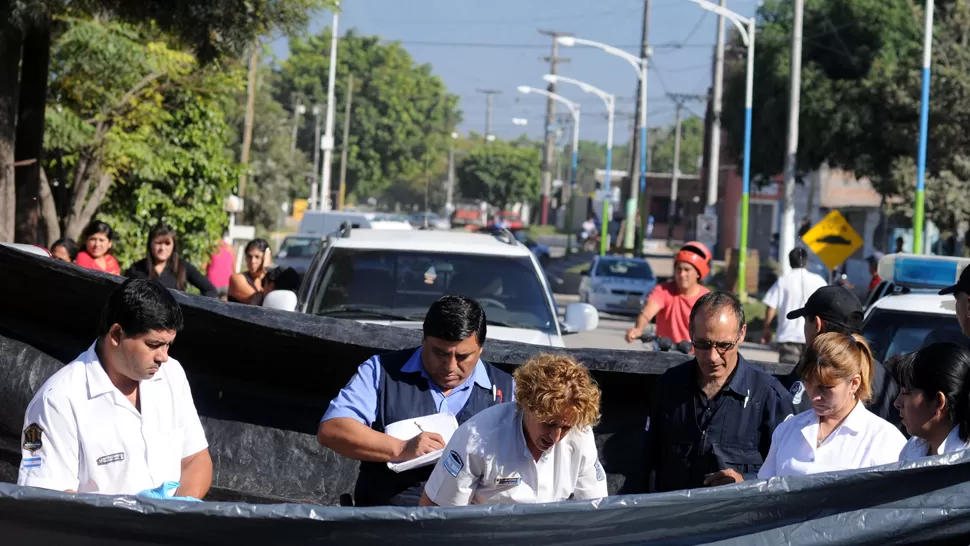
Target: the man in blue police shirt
(711, 419)
(444, 375)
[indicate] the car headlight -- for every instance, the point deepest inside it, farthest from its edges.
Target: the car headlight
(600, 289)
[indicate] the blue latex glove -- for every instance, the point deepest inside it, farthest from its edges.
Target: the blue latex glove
(166, 491)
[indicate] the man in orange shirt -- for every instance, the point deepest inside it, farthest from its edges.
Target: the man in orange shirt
(671, 302)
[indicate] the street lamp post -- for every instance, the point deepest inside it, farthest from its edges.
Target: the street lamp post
(924, 115)
(574, 110)
(610, 101)
(746, 27)
(640, 65)
(323, 203)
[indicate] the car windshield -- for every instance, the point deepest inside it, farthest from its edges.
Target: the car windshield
(371, 283)
(891, 333)
(299, 247)
(627, 269)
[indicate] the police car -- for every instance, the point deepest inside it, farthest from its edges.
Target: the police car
(905, 312)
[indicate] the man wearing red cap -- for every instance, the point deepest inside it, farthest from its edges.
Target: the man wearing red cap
(671, 302)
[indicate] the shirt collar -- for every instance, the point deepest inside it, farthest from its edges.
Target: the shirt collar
(98, 381)
(737, 383)
(952, 441)
(415, 365)
(856, 420)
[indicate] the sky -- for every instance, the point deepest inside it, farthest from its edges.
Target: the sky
(496, 44)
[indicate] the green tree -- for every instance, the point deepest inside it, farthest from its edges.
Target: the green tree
(399, 110)
(212, 29)
(691, 147)
(500, 173)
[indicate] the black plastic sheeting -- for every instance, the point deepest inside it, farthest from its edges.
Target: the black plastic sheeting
(925, 502)
(262, 378)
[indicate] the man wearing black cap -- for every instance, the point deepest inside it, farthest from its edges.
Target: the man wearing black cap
(961, 291)
(835, 309)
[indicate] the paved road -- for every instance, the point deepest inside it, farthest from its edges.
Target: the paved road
(612, 328)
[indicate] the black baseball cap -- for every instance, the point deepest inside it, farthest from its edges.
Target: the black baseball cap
(962, 285)
(834, 305)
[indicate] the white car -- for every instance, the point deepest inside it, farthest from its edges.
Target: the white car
(907, 311)
(29, 249)
(393, 277)
(615, 284)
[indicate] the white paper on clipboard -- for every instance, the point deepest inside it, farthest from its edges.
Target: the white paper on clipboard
(444, 424)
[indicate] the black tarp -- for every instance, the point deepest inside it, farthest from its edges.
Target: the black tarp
(924, 503)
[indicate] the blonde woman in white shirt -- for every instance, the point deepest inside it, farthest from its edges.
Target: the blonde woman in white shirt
(838, 433)
(934, 400)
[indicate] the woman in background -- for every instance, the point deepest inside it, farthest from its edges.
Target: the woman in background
(934, 400)
(164, 264)
(838, 433)
(97, 239)
(64, 250)
(247, 287)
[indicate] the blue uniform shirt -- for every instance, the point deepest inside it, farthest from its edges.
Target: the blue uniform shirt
(358, 400)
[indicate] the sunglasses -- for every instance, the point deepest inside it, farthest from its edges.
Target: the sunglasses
(720, 346)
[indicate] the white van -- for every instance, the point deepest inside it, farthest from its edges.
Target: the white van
(324, 223)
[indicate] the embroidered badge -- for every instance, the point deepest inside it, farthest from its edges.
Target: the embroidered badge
(32, 437)
(113, 458)
(453, 464)
(600, 473)
(797, 390)
(512, 480)
(32, 462)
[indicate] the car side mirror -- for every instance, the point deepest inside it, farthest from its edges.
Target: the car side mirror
(580, 317)
(585, 273)
(283, 300)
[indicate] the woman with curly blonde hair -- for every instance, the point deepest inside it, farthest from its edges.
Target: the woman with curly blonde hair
(537, 449)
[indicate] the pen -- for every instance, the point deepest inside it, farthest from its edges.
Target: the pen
(417, 424)
(494, 394)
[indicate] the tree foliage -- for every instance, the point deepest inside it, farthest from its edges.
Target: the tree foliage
(691, 147)
(500, 173)
(399, 109)
(860, 96)
(140, 123)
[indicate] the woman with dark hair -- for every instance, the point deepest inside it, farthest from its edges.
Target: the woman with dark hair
(97, 239)
(247, 287)
(164, 264)
(64, 250)
(934, 399)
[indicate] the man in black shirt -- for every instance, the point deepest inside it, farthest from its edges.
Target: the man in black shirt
(711, 419)
(961, 292)
(835, 309)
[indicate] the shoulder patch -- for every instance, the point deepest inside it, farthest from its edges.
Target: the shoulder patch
(797, 390)
(600, 473)
(33, 440)
(453, 463)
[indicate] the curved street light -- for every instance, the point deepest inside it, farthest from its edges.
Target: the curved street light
(640, 65)
(610, 101)
(574, 110)
(746, 27)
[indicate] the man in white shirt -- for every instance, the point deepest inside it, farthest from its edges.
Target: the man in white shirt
(120, 419)
(790, 292)
(538, 449)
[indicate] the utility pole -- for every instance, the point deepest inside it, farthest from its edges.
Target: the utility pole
(786, 239)
(327, 144)
(488, 111)
(298, 110)
(550, 144)
(714, 162)
(638, 184)
(450, 198)
(317, 110)
(680, 100)
(248, 123)
(343, 143)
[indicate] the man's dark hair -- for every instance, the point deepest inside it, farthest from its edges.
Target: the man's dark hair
(716, 301)
(798, 258)
(455, 318)
(139, 306)
(284, 278)
(831, 327)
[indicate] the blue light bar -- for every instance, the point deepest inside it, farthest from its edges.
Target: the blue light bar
(921, 271)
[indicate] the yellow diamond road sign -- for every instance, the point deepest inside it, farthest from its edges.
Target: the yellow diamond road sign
(833, 240)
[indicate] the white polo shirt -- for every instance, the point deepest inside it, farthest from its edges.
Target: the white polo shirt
(917, 448)
(862, 440)
(487, 461)
(81, 433)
